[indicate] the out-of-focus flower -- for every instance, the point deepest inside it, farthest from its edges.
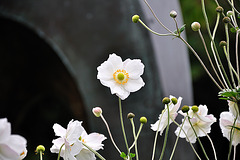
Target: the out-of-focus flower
(68, 140)
(12, 147)
(92, 140)
(230, 123)
(121, 77)
(200, 121)
(161, 124)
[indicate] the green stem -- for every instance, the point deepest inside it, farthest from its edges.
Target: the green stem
(40, 152)
(204, 152)
(60, 152)
(231, 138)
(92, 150)
(135, 139)
(166, 135)
(122, 125)
(237, 62)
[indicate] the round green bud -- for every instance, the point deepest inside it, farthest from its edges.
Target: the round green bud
(226, 20)
(166, 100)
(130, 115)
(229, 13)
(173, 14)
(143, 120)
(195, 26)
(223, 43)
(194, 108)
(97, 111)
(135, 18)
(174, 100)
(219, 9)
(40, 148)
(185, 109)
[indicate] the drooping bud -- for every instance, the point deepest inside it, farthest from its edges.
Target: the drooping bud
(130, 115)
(173, 14)
(185, 109)
(229, 13)
(219, 9)
(226, 20)
(143, 120)
(135, 18)
(40, 148)
(97, 111)
(194, 108)
(223, 43)
(166, 100)
(195, 26)
(174, 100)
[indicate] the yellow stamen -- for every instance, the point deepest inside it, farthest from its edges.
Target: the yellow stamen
(121, 76)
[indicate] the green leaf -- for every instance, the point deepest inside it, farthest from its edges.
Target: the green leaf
(123, 155)
(180, 30)
(237, 128)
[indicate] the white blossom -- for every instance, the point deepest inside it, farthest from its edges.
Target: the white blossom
(121, 77)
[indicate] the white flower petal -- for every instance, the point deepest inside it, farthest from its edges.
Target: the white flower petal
(105, 71)
(6, 153)
(17, 143)
(74, 131)
(134, 68)
(59, 130)
(94, 140)
(5, 129)
(116, 61)
(86, 155)
(134, 85)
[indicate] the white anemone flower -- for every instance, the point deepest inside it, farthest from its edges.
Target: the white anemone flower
(200, 121)
(68, 142)
(121, 77)
(162, 123)
(12, 147)
(226, 122)
(92, 140)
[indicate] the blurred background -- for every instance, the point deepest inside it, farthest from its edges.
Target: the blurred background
(50, 51)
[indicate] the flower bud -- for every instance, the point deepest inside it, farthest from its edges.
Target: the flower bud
(97, 111)
(174, 100)
(130, 115)
(226, 20)
(143, 120)
(40, 148)
(173, 14)
(195, 26)
(223, 43)
(185, 109)
(229, 13)
(219, 9)
(135, 18)
(194, 108)
(166, 100)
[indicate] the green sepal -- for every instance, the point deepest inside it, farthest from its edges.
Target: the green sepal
(180, 30)
(132, 155)
(123, 155)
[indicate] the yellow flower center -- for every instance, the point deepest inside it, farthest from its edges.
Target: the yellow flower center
(121, 76)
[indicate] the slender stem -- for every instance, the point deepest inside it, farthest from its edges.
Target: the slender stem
(139, 130)
(201, 62)
(175, 145)
(122, 124)
(157, 18)
(187, 139)
(135, 139)
(209, 58)
(200, 143)
(231, 138)
(234, 152)
(60, 152)
(237, 62)
(166, 135)
(170, 34)
(41, 153)
(109, 132)
(96, 153)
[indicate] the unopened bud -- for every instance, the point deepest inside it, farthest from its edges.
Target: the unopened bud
(135, 18)
(174, 100)
(97, 111)
(223, 43)
(185, 109)
(194, 108)
(143, 120)
(166, 100)
(173, 14)
(130, 115)
(219, 9)
(195, 26)
(229, 13)
(226, 20)
(40, 148)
